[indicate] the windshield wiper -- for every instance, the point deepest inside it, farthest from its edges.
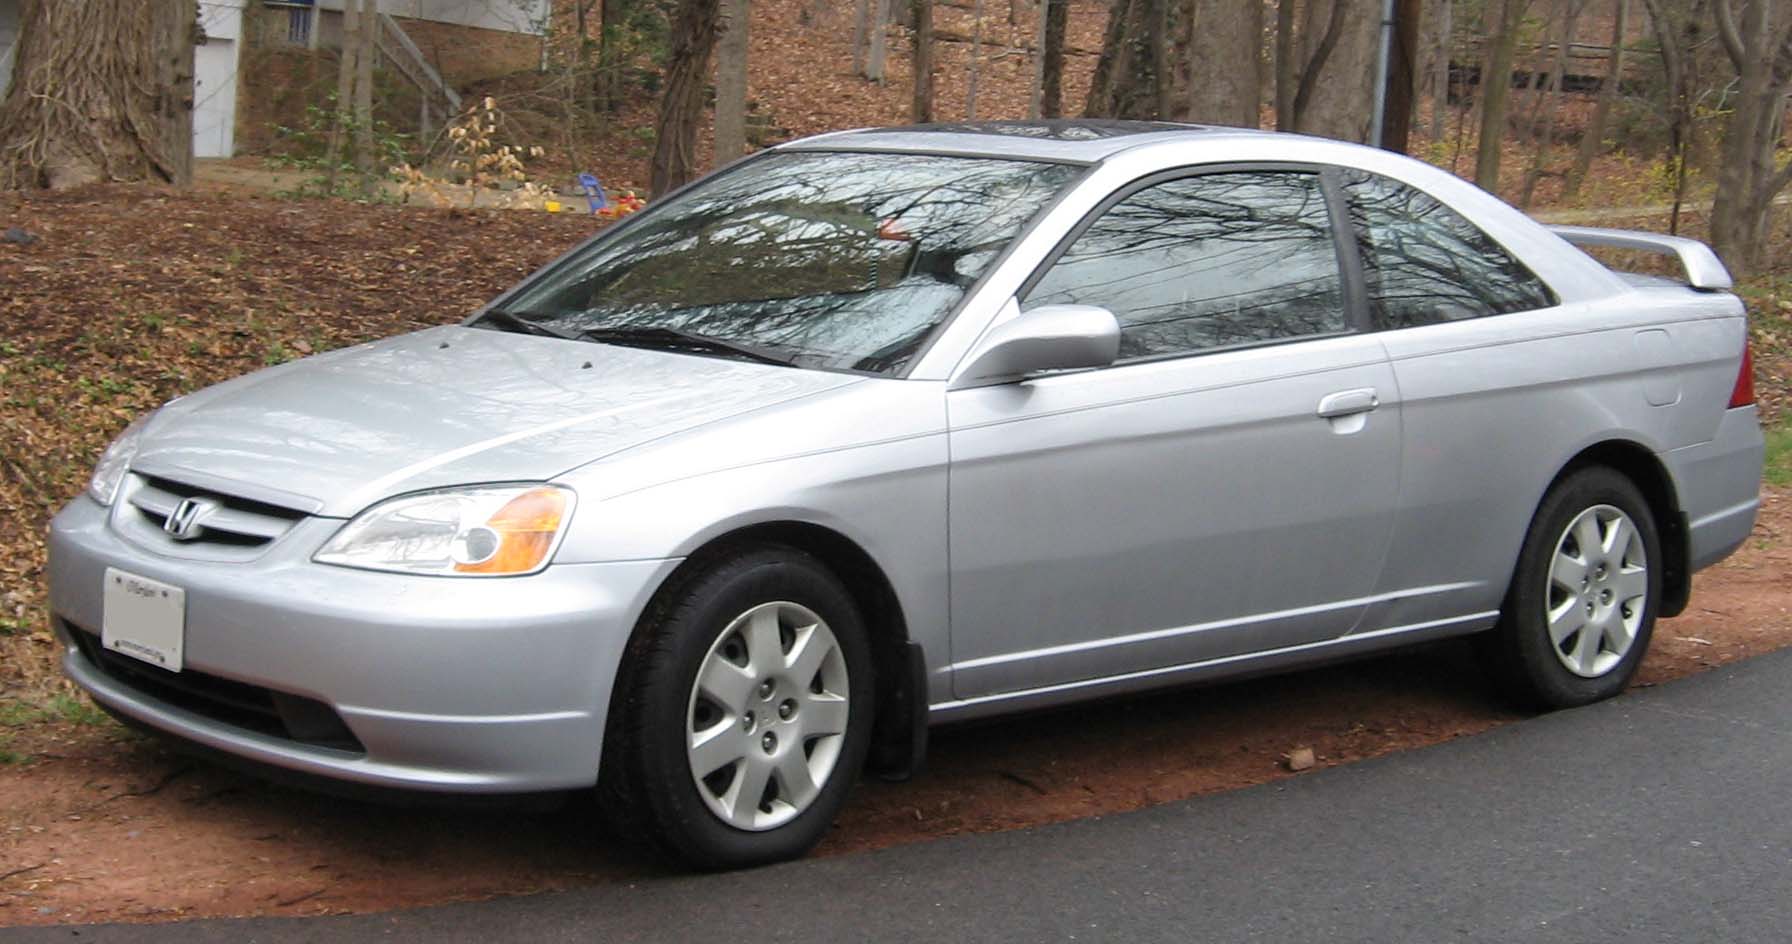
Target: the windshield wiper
(513, 322)
(655, 336)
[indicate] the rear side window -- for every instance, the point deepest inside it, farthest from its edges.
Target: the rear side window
(1200, 263)
(1423, 263)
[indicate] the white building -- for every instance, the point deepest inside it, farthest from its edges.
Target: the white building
(218, 59)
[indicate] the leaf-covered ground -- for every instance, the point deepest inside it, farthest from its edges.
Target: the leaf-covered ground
(129, 297)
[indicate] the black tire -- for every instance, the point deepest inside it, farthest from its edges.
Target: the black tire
(1532, 669)
(647, 784)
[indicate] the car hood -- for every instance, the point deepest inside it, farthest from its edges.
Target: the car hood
(334, 433)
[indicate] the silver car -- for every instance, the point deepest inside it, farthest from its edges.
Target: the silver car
(881, 429)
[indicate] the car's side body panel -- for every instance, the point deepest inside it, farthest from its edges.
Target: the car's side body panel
(1496, 407)
(868, 463)
(1116, 520)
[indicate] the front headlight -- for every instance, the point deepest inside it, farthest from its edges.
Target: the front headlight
(489, 531)
(108, 473)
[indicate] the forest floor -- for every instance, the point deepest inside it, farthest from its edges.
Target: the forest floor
(128, 297)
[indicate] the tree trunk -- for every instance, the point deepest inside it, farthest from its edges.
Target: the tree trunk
(1287, 70)
(1051, 80)
(1496, 87)
(970, 95)
(1440, 81)
(1748, 179)
(1594, 139)
(731, 85)
(100, 91)
(861, 34)
(364, 154)
(1124, 85)
(1158, 37)
(1223, 53)
(695, 28)
(1336, 94)
(1542, 139)
(1673, 39)
(609, 18)
(340, 118)
(922, 112)
(874, 66)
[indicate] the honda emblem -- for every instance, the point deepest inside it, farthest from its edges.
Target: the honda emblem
(183, 521)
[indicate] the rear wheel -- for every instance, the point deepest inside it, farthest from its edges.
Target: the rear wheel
(1581, 607)
(746, 713)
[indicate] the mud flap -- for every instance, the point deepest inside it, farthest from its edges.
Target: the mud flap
(899, 742)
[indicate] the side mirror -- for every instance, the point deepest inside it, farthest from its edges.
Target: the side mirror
(1050, 337)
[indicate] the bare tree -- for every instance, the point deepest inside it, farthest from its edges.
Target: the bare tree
(100, 91)
(731, 85)
(976, 53)
(695, 28)
(345, 92)
(1287, 70)
(351, 124)
(1051, 74)
(922, 36)
(1223, 51)
(1541, 130)
(880, 18)
(861, 34)
(1501, 41)
(1440, 76)
(1326, 75)
(365, 160)
(1757, 37)
(1677, 36)
(1126, 84)
(1594, 137)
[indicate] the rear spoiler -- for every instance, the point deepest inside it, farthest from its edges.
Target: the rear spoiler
(1704, 271)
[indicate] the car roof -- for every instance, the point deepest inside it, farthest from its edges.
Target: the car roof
(1074, 140)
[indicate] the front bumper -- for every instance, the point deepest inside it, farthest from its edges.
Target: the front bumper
(450, 684)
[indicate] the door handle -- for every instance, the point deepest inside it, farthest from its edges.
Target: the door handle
(1348, 402)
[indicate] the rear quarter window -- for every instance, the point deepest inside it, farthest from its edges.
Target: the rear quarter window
(1424, 263)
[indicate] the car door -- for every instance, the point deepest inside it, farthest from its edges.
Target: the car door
(1226, 487)
(1494, 385)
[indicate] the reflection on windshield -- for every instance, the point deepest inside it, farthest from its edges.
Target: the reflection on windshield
(832, 260)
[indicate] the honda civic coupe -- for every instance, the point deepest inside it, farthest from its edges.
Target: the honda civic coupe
(882, 429)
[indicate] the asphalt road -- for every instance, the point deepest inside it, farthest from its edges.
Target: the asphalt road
(1660, 816)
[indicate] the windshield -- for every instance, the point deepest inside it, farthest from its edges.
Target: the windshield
(832, 260)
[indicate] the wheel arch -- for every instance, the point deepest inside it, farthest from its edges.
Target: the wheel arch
(1641, 466)
(899, 733)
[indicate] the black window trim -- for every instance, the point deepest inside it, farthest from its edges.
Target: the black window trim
(1356, 305)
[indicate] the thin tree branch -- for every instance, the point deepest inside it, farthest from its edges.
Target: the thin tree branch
(1726, 30)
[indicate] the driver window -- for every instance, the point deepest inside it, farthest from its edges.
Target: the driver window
(1209, 262)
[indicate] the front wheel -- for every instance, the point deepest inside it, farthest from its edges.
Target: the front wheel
(1581, 607)
(746, 713)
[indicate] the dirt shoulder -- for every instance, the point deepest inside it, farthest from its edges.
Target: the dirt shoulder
(105, 826)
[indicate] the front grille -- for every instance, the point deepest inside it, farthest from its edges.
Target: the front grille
(238, 704)
(230, 527)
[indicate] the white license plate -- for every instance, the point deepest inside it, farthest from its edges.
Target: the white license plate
(144, 619)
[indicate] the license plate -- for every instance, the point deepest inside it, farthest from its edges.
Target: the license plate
(144, 619)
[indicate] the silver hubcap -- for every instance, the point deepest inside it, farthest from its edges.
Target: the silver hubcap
(1598, 585)
(767, 717)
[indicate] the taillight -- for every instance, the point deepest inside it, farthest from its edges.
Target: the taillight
(1744, 392)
